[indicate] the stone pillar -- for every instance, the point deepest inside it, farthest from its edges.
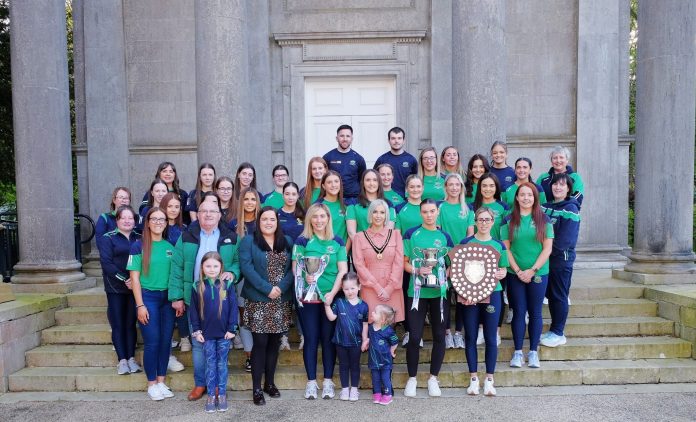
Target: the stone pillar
(598, 131)
(441, 74)
(42, 147)
(479, 75)
(665, 112)
(221, 83)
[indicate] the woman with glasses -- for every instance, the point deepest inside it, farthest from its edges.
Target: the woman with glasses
(429, 171)
(280, 178)
(224, 188)
(149, 264)
(106, 222)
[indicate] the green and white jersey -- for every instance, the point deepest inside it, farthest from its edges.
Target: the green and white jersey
(453, 221)
(274, 199)
(338, 218)
(394, 198)
(524, 246)
(157, 277)
(433, 188)
(408, 217)
(359, 213)
(315, 247)
(470, 199)
(503, 262)
(420, 237)
(500, 211)
(509, 195)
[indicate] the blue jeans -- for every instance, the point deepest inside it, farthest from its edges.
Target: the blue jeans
(216, 351)
(198, 357)
(560, 274)
(381, 381)
(317, 327)
(157, 333)
(488, 315)
(526, 298)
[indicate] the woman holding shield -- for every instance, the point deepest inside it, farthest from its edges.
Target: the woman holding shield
(317, 241)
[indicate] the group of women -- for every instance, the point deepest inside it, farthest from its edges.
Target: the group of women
(534, 225)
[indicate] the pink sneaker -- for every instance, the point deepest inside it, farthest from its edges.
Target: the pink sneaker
(377, 398)
(386, 399)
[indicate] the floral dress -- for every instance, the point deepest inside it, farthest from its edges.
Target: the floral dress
(272, 316)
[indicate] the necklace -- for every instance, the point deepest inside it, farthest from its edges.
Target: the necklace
(378, 250)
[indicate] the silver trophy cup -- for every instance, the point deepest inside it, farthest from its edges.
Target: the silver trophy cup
(430, 258)
(313, 266)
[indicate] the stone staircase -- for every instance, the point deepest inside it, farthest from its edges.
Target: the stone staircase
(615, 337)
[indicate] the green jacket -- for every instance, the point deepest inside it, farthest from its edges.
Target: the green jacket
(184, 260)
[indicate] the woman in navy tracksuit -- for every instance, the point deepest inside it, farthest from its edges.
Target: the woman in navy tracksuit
(564, 212)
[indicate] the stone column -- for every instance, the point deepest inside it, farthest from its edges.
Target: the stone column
(221, 83)
(479, 75)
(597, 132)
(441, 74)
(665, 112)
(42, 148)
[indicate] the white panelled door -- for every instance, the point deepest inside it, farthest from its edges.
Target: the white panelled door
(367, 104)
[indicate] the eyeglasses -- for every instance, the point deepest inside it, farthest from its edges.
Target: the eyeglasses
(484, 220)
(225, 189)
(122, 198)
(429, 158)
(208, 212)
(158, 220)
(280, 176)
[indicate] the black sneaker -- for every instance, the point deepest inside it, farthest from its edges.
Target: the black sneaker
(247, 365)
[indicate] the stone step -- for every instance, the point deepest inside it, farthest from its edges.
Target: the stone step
(613, 307)
(89, 297)
(575, 327)
(582, 348)
(593, 372)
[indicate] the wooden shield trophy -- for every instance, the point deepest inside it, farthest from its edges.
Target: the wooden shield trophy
(473, 270)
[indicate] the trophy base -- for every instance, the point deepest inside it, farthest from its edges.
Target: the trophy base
(311, 301)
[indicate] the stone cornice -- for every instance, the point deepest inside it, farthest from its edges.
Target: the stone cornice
(301, 38)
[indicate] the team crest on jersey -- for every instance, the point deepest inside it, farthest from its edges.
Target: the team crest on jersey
(508, 178)
(381, 342)
(299, 222)
(352, 162)
(536, 279)
(437, 185)
(170, 253)
(330, 249)
(342, 213)
(490, 309)
(437, 243)
(404, 164)
(461, 215)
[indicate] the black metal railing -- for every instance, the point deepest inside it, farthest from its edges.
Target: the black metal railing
(9, 241)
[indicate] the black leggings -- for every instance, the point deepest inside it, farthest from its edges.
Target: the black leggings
(122, 316)
(264, 358)
(349, 365)
(416, 321)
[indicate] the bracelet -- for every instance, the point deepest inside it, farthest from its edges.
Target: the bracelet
(139, 306)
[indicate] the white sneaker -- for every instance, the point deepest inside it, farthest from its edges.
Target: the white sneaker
(479, 339)
(185, 345)
(505, 298)
(508, 318)
(458, 341)
(284, 344)
(311, 389)
(154, 392)
(327, 390)
(546, 301)
(122, 368)
(354, 394)
(133, 366)
(473, 389)
(497, 339)
(410, 390)
(237, 342)
(488, 388)
(434, 387)
(166, 392)
(301, 346)
(174, 365)
(404, 342)
(517, 359)
(553, 340)
(345, 394)
(449, 341)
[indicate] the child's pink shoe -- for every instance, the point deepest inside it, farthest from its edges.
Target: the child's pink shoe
(386, 399)
(377, 398)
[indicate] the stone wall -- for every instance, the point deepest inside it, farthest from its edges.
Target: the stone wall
(678, 303)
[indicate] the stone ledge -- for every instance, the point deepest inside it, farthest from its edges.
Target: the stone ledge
(27, 304)
(654, 279)
(56, 288)
(677, 303)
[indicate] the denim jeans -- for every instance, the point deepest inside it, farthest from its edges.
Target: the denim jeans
(526, 298)
(157, 333)
(216, 351)
(198, 356)
(381, 381)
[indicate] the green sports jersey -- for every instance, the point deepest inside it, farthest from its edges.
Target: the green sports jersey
(274, 199)
(470, 199)
(525, 247)
(509, 195)
(500, 211)
(433, 188)
(394, 198)
(421, 237)
(359, 213)
(315, 247)
(503, 262)
(408, 217)
(453, 221)
(338, 218)
(157, 277)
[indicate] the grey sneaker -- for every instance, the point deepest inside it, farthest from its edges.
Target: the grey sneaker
(458, 341)
(327, 391)
(133, 367)
(122, 367)
(517, 359)
(354, 394)
(310, 391)
(210, 406)
(533, 359)
(449, 341)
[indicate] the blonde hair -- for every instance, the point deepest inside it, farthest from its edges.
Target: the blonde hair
(386, 312)
(462, 195)
(241, 227)
(201, 284)
(421, 169)
(308, 231)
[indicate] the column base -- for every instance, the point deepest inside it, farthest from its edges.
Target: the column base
(92, 267)
(6, 293)
(599, 257)
(57, 277)
(659, 269)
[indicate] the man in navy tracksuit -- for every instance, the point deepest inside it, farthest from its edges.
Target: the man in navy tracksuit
(403, 163)
(348, 163)
(564, 212)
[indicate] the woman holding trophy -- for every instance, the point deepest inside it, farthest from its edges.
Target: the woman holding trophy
(425, 250)
(319, 262)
